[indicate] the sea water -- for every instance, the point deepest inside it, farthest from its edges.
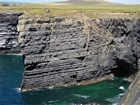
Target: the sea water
(11, 68)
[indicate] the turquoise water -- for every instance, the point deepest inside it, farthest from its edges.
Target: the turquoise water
(11, 68)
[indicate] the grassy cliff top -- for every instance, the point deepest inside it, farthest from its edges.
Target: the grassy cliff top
(91, 8)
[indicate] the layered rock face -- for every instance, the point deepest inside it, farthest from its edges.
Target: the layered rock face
(9, 33)
(63, 50)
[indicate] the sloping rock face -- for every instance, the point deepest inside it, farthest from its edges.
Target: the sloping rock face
(63, 50)
(9, 33)
(126, 43)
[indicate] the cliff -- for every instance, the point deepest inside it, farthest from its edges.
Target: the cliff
(61, 51)
(9, 33)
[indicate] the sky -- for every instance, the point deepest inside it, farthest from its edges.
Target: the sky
(126, 1)
(31, 1)
(118, 1)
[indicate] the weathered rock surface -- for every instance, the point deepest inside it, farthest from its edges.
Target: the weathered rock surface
(9, 33)
(73, 50)
(64, 50)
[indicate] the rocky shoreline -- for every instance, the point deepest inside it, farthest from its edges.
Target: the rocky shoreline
(64, 50)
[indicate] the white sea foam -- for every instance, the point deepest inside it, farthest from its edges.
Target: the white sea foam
(115, 99)
(121, 94)
(126, 79)
(15, 54)
(82, 96)
(53, 101)
(115, 103)
(24, 90)
(122, 88)
(51, 87)
(17, 90)
(18, 54)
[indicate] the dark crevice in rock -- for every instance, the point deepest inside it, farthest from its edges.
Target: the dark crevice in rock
(120, 72)
(32, 29)
(81, 58)
(124, 69)
(84, 46)
(74, 76)
(31, 66)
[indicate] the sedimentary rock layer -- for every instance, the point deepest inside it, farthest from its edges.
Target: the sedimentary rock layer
(9, 33)
(69, 50)
(73, 50)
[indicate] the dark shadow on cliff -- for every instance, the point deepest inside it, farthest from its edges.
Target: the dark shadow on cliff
(124, 69)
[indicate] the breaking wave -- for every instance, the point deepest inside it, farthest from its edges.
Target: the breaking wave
(81, 96)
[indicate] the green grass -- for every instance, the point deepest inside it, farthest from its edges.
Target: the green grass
(65, 9)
